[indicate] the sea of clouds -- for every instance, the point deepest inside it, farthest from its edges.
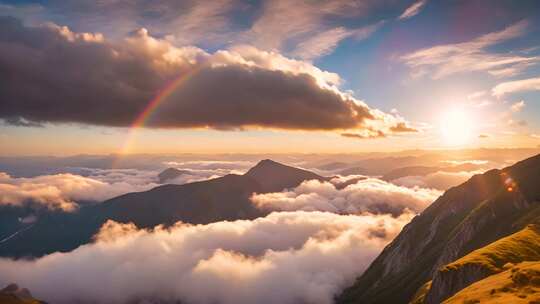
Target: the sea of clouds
(316, 239)
(366, 195)
(285, 257)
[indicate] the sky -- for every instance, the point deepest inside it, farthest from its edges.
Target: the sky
(166, 76)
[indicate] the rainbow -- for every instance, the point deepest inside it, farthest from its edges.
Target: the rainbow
(151, 108)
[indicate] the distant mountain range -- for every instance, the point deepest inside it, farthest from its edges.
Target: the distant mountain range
(468, 217)
(219, 199)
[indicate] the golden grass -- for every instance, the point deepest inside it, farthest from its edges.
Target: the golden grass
(518, 284)
(11, 299)
(523, 245)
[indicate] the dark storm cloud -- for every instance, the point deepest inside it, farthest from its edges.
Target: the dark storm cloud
(51, 74)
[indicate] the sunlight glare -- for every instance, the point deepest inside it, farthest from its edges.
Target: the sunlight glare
(457, 127)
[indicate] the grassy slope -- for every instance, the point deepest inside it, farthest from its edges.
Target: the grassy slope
(523, 245)
(518, 284)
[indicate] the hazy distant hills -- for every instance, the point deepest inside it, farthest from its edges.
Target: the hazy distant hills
(467, 217)
(224, 198)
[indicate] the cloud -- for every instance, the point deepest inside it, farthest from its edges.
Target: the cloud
(270, 25)
(471, 56)
(366, 195)
(21, 122)
(517, 123)
(367, 134)
(309, 29)
(475, 162)
(194, 171)
(479, 99)
(517, 106)
(185, 21)
(440, 180)
(402, 127)
(515, 86)
(398, 127)
(238, 88)
(413, 10)
(325, 42)
(476, 95)
(66, 191)
(286, 257)
(239, 166)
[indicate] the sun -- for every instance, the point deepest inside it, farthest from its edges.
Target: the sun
(457, 126)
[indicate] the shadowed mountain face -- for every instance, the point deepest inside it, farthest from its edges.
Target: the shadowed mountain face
(467, 217)
(219, 199)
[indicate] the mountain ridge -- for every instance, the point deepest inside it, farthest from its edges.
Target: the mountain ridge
(464, 218)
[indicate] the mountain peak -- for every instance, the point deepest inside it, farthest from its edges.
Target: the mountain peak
(274, 176)
(267, 163)
(169, 174)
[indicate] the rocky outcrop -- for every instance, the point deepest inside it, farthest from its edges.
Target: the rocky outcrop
(447, 283)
